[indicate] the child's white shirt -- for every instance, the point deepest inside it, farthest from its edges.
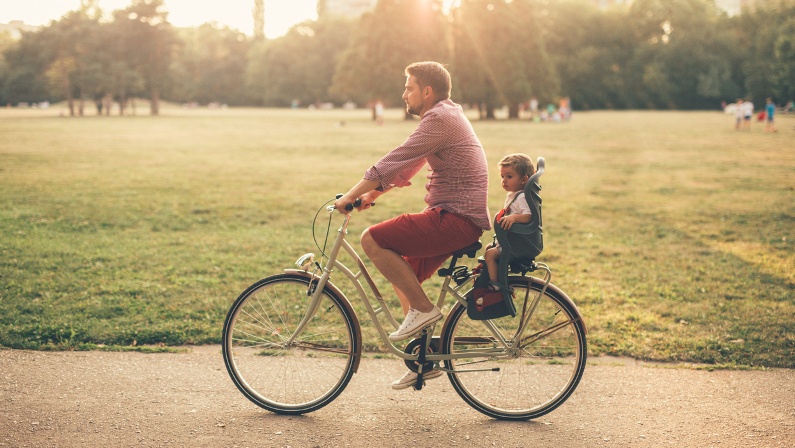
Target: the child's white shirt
(516, 203)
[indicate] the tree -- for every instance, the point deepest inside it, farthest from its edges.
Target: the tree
(148, 42)
(499, 55)
(590, 49)
(6, 44)
(784, 65)
(298, 66)
(27, 63)
(395, 34)
(678, 60)
(211, 66)
(766, 32)
(259, 19)
(75, 68)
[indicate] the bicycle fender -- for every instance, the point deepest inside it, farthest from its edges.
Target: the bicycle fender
(357, 328)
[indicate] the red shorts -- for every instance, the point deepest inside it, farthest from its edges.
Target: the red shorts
(426, 239)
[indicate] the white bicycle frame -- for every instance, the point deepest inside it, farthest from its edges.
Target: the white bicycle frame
(502, 347)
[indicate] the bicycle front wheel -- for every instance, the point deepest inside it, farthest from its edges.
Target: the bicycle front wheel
(517, 376)
(278, 369)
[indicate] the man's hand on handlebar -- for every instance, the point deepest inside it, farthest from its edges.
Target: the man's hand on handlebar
(345, 204)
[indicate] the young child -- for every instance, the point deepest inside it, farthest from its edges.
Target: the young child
(515, 171)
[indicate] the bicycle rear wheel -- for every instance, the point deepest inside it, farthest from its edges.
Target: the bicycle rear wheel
(283, 376)
(532, 378)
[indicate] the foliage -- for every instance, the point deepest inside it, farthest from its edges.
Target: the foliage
(147, 42)
(395, 34)
(300, 65)
(210, 65)
(499, 56)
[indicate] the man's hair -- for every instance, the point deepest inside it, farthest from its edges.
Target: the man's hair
(522, 164)
(434, 75)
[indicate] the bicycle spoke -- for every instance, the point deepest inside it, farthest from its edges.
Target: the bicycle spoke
(530, 377)
(295, 377)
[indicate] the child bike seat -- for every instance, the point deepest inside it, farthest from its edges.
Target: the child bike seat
(522, 243)
(520, 246)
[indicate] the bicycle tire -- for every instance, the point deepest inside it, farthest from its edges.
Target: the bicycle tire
(294, 378)
(531, 381)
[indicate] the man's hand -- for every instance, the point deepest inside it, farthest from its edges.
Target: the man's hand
(364, 190)
(342, 204)
(367, 201)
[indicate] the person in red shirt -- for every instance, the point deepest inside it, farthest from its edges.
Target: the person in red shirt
(409, 248)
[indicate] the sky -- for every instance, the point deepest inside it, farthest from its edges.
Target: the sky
(280, 15)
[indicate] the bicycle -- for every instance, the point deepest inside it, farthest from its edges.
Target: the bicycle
(292, 341)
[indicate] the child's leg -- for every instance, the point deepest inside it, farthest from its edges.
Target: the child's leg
(492, 255)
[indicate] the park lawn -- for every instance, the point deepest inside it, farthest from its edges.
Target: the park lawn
(672, 232)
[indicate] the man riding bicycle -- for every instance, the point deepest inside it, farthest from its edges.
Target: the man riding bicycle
(409, 248)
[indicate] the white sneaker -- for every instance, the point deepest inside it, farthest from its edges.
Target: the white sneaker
(414, 322)
(410, 379)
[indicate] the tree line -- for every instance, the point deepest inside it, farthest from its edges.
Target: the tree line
(656, 54)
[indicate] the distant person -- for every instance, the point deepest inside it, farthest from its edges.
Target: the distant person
(533, 108)
(515, 171)
(565, 109)
(770, 110)
(748, 113)
(379, 112)
(738, 114)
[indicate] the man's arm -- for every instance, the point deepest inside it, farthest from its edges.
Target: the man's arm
(365, 189)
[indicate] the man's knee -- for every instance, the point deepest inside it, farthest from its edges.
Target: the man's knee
(369, 244)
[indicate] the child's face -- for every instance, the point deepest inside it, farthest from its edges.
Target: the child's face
(511, 181)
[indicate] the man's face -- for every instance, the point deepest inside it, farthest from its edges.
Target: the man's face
(413, 96)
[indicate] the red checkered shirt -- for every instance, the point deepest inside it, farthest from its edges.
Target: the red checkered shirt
(459, 179)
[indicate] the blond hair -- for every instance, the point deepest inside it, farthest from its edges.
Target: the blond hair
(521, 163)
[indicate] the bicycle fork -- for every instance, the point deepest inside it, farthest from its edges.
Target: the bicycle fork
(315, 288)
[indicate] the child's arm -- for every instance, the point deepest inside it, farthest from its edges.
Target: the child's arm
(507, 221)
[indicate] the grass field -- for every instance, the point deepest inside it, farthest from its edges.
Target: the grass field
(672, 232)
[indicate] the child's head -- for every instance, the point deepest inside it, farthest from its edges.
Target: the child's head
(515, 170)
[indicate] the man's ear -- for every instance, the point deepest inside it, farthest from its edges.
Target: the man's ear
(428, 92)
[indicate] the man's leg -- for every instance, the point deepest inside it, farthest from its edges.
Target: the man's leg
(395, 268)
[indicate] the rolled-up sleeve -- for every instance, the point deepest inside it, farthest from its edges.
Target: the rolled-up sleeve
(445, 140)
(398, 166)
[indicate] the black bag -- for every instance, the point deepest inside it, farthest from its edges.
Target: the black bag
(483, 303)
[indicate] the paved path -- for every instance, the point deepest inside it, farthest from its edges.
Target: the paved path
(99, 399)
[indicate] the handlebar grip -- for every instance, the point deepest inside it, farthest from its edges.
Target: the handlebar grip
(355, 204)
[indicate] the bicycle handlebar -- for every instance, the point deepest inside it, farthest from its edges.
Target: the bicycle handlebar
(357, 203)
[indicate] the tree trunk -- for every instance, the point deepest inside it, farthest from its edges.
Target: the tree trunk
(490, 112)
(155, 102)
(513, 111)
(108, 100)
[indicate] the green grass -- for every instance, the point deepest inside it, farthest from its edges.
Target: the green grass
(672, 232)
